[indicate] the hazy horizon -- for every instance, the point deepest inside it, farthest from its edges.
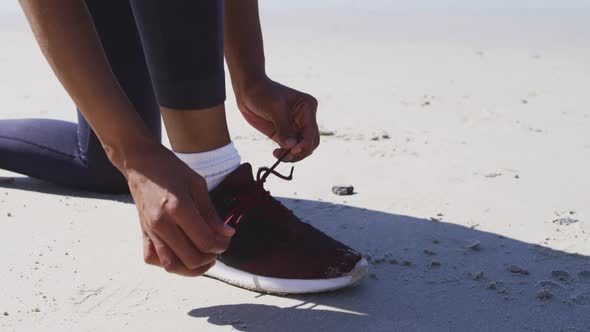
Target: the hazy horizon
(398, 4)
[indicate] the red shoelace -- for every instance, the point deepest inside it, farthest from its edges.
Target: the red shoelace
(258, 193)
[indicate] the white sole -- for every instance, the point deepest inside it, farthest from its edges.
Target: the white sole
(263, 284)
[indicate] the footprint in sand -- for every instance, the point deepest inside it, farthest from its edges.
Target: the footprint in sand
(582, 298)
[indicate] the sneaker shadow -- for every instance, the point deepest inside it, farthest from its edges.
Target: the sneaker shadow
(426, 276)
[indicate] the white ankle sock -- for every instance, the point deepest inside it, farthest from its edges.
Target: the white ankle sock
(213, 165)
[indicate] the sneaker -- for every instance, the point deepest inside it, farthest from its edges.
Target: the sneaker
(272, 250)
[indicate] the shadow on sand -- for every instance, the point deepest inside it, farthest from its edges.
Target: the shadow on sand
(478, 281)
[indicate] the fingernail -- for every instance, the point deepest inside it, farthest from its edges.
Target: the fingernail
(218, 251)
(290, 142)
(230, 229)
(297, 150)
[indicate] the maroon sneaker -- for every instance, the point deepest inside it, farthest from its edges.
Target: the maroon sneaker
(272, 250)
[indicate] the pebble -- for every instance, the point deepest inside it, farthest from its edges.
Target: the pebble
(393, 261)
(343, 190)
(565, 221)
(379, 260)
(36, 310)
(435, 263)
(407, 263)
(495, 285)
(429, 252)
(479, 275)
(475, 245)
(493, 175)
(9, 214)
(326, 133)
(544, 295)
(560, 275)
(5, 313)
(373, 276)
(517, 270)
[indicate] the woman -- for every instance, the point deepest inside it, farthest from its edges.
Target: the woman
(126, 62)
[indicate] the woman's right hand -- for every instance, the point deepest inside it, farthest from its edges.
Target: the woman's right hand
(181, 230)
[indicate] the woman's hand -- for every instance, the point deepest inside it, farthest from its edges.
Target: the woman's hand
(285, 115)
(181, 230)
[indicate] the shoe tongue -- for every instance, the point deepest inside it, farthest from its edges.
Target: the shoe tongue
(240, 177)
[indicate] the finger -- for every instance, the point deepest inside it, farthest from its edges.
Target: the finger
(278, 153)
(317, 141)
(166, 257)
(291, 157)
(316, 130)
(212, 219)
(308, 133)
(188, 254)
(284, 127)
(149, 252)
(206, 209)
(304, 119)
(200, 271)
(171, 263)
(208, 234)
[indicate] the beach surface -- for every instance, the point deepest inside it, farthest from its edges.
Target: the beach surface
(465, 133)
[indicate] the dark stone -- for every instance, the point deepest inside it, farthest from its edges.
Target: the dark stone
(343, 190)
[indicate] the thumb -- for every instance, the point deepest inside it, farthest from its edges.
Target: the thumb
(218, 226)
(284, 129)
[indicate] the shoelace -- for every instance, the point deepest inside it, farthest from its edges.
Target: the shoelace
(258, 193)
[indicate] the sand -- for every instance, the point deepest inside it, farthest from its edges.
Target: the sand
(466, 137)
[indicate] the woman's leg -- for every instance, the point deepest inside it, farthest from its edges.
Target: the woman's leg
(70, 154)
(183, 42)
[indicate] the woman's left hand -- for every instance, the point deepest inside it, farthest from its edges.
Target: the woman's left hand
(283, 114)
